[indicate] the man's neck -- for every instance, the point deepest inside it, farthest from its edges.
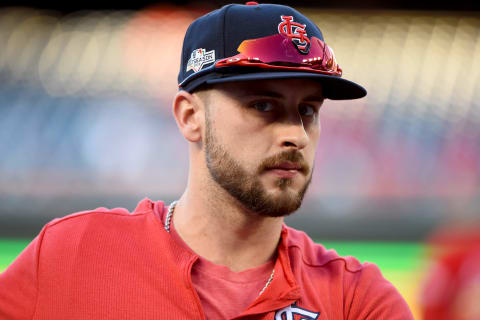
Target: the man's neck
(222, 231)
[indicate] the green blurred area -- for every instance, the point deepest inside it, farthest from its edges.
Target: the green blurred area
(392, 256)
(9, 250)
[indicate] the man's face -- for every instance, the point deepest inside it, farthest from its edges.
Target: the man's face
(260, 141)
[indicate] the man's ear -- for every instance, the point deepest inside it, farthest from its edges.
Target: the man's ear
(188, 112)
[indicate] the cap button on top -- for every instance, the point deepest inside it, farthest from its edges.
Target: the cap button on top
(251, 3)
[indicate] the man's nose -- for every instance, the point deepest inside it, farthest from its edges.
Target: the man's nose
(293, 134)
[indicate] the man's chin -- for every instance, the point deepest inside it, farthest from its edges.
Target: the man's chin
(283, 198)
(281, 203)
(279, 211)
(281, 187)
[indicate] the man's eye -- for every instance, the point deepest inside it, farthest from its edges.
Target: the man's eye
(306, 110)
(263, 106)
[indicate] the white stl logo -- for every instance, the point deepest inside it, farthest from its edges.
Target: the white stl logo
(288, 313)
(199, 58)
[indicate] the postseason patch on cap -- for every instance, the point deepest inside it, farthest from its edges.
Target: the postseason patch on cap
(199, 58)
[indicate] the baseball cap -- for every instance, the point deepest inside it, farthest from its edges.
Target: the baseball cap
(260, 41)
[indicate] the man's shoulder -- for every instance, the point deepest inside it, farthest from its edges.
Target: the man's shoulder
(326, 265)
(83, 216)
(361, 285)
(101, 216)
(316, 255)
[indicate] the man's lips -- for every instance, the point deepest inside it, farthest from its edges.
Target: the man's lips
(286, 166)
(285, 169)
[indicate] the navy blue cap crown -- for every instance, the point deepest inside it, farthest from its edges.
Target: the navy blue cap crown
(218, 34)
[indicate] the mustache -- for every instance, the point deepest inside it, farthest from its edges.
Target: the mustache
(292, 156)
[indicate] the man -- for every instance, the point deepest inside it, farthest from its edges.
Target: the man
(252, 80)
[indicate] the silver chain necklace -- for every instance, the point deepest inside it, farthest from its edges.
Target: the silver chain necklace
(168, 222)
(169, 215)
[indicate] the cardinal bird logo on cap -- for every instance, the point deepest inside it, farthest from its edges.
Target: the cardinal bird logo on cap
(296, 32)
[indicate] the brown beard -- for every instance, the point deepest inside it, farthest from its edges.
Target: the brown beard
(246, 187)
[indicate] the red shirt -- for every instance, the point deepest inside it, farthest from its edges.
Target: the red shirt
(112, 264)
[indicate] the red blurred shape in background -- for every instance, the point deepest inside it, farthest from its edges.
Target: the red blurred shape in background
(452, 288)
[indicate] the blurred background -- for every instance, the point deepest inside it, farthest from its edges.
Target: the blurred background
(85, 121)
